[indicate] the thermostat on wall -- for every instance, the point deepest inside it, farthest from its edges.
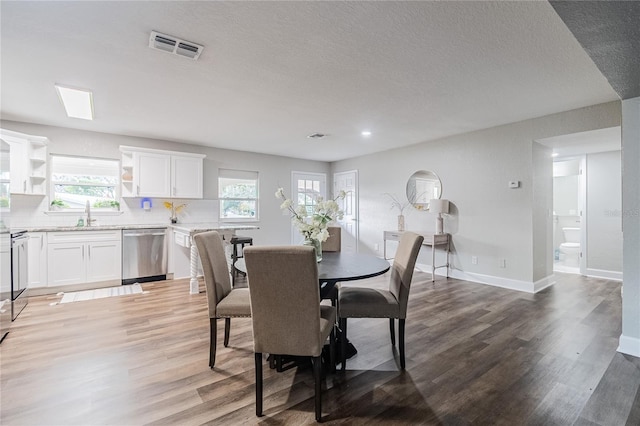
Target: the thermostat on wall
(514, 184)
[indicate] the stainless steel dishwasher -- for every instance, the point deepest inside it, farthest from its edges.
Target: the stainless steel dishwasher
(144, 255)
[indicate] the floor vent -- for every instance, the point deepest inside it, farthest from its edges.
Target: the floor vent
(174, 45)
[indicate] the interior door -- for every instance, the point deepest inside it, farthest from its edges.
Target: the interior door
(306, 188)
(348, 181)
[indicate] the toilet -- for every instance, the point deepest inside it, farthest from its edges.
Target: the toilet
(570, 249)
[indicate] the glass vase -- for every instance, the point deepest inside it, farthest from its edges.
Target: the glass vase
(401, 223)
(317, 245)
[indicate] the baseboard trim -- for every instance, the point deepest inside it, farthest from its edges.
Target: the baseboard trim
(629, 345)
(603, 273)
(545, 282)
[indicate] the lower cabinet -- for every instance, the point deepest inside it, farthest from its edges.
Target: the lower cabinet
(37, 259)
(78, 257)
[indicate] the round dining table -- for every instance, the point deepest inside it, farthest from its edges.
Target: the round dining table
(339, 266)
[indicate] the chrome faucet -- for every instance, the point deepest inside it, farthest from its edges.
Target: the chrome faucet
(87, 210)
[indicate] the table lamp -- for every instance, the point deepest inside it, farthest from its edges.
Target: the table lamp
(439, 206)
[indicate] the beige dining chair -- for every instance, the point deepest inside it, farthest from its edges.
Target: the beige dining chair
(224, 302)
(361, 302)
(334, 242)
(286, 312)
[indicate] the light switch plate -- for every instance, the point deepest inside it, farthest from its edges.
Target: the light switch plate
(514, 184)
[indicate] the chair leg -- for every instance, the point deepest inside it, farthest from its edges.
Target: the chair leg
(401, 332)
(343, 347)
(317, 378)
(332, 350)
(392, 329)
(227, 330)
(258, 384)
(212, 341)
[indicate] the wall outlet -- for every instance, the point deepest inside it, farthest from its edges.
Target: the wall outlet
(514, 184)
(503, 263)
(474, 260)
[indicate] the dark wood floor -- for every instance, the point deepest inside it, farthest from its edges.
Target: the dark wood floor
(475, 355)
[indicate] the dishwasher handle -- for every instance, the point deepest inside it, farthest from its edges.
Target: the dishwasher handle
(142, 234)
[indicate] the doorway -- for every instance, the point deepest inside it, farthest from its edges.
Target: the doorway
(348, 182)
(569, 196)
(306, 187)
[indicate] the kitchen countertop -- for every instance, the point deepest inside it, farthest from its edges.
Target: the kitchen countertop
(92, 228)
(192, 228)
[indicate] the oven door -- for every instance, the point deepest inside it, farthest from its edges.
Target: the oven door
(19, 271)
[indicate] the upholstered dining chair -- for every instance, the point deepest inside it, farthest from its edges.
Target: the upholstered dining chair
(286, 312)
(360, 302)
(334, 242)
(224, 302)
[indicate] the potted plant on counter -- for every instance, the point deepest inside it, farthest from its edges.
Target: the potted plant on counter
(58, 205)
(175, 210)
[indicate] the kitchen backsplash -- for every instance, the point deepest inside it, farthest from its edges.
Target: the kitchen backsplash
(32, 211)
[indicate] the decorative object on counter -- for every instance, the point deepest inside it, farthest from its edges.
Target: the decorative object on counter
(395, 203)
(175, 210)
(80, 222)
(313, 225)
(439, 206)
(58, 204)
(146, 204)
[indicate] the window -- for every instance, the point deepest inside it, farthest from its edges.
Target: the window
(76, 180)
(238, 195)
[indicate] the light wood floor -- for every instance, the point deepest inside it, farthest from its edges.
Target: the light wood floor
(475, 355)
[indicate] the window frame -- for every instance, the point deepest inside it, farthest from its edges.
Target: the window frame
(52, 184)
(239, 174)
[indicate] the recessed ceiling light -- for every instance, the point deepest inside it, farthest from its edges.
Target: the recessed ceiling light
(366, 133)
(77, 103)
(555, 154)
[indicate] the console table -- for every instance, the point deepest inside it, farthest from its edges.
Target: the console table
(430, 239)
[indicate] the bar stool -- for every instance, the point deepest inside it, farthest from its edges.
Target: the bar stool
(236, 241)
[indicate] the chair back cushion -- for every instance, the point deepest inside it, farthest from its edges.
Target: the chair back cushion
(402, 269)
(215, 268)
(285, 300)
(334, 242)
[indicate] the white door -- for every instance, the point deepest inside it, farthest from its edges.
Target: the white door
(348, 182)
(306, 188)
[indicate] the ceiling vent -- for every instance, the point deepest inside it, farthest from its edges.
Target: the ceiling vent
(174, 45)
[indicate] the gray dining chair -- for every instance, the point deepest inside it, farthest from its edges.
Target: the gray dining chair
(223, 301)
(361, 302)
(285, 310)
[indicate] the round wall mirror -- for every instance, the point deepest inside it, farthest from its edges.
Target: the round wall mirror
(422, 186)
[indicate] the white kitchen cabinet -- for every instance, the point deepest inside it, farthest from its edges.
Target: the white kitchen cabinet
(28, 163)
(186, 176)
(161, 174)
(152, 174)
(78, 257)
(37, 259)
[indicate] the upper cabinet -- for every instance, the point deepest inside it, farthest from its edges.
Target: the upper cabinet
(28, 163)
(157, 173)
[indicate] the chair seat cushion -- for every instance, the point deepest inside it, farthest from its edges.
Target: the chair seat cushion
(360, 302)
(236, 304)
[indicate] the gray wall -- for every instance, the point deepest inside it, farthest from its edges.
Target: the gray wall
(604, 208)
(488, 219)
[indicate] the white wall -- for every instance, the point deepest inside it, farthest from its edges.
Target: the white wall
(274, 171)
(630, 338)
(488, 219)
(604, 213)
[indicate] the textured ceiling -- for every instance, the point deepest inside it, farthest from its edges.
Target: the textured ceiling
(274, 72)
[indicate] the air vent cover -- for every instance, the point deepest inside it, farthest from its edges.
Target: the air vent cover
(317, 136)
(174, 45)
